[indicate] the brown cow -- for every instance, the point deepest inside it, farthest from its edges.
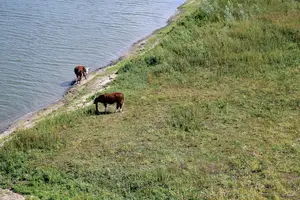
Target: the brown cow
(115, 97)
(80, 71)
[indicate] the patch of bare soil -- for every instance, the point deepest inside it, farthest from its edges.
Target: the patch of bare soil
(9, 195)
(91, 89)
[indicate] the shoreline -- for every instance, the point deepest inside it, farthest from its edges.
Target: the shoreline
(29, 119)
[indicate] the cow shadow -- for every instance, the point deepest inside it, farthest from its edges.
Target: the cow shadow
(94, 112)
(67, 83)
(104, 113)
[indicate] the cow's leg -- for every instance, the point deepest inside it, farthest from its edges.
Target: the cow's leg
(79, 78)
(121, 105)
(118, 106)
(97, 111)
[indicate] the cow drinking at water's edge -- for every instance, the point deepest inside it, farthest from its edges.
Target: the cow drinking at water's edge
(80, 71)
(110, 98)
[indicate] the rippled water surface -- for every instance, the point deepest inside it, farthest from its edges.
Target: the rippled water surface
(41, 41)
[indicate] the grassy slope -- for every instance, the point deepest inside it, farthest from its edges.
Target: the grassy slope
(212, 112)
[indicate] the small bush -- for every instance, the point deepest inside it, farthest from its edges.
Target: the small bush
(152, 60)
(127, 67)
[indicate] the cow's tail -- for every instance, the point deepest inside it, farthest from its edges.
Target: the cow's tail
(95, 98)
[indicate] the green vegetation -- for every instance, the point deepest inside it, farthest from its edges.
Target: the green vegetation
(211, 112)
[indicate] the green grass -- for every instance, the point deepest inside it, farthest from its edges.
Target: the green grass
(211, 112)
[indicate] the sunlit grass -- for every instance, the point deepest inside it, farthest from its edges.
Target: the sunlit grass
(211, 112)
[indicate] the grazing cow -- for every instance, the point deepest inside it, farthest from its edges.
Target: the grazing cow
(80, 71)
(115, 97)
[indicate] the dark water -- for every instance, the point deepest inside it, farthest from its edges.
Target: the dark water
(41, 41)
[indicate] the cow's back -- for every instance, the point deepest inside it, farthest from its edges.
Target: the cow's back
(110, 98)
(115, 97)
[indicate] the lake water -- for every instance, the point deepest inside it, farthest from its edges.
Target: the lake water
(41, 41)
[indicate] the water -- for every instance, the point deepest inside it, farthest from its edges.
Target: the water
(41, 41)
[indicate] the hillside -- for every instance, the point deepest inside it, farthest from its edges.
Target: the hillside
(212, 111)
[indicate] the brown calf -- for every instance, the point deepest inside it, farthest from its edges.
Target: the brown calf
(115, 97)
(80, 71)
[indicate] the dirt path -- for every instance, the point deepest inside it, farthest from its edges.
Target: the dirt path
(9, 195)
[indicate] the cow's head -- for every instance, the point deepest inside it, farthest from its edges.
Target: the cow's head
(87, 70)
